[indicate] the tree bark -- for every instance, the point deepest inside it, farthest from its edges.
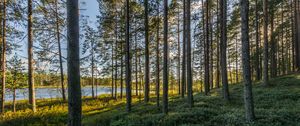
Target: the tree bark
(295, 40)
(206, 52)
(248, 99)
(136, 59)
(257, 37)
(211, 58)
(128, 69)
(165, 68)
(218, 47)
(265, 53)
(74, 88)
(204, 42)
(183, 76)
(112, 70)
(236, 62)
(282, 43)
(157, 57)
(14, 100)
(93, 79)
(3, 57)
(178, 49)
(223, 47)
(30, 59)
(189, 61)
(116, 66)
(147, 74)
(297, 33)
(140, 77)
(59, 52)
(273, 49)
(121, 74)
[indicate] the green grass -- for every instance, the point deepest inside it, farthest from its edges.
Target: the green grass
(276, 105)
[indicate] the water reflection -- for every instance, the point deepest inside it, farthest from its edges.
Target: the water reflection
(42, 93)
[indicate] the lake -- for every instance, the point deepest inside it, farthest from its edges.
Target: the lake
(43, 93)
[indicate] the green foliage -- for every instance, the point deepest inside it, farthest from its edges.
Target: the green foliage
(16, 77)
(276, 105)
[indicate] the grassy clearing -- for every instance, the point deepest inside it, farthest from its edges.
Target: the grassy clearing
(276, 105)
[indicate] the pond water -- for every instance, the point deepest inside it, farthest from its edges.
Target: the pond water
(43, 93)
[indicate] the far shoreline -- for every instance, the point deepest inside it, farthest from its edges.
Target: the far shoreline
(66, 86)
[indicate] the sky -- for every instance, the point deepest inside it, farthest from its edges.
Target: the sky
(90, 9)
(87, 8)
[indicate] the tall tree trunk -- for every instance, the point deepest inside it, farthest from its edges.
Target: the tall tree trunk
(178, 49)
(236, 61)
(147, 73)
(141, 77)
(128, 68)
(229, 69)
(96, 82)
(218, 47)
(112, 70)
(166, 57)
(157, 57)
(273, 49)
(260, 56)
(188, 59)
(223, 47)
(3, 57)
(1, 26)
(183, 76)
(297, 34)
(136, 58)
(116, 80)
(282, 42)
(30, 59)
(116, 71)
(291, 45)
(204, 43)
(257, 37)
(294, 30)
(265, 57)
(248, 99)
(59, 52)
(211, 62)
(287, 50)
(14, 89)
(14, 100)
(277, 46)
(93, 79)
(116, 54)
(206, 51)
(74, 88)
(121, 74)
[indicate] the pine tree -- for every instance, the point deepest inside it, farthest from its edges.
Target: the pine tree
(223, 47)
(127, 57)
(165, 59)
(266, 49)
(147, 71)
(74, 88)
(3, 64)
(30, 59)
(248, 99)
(189, 49)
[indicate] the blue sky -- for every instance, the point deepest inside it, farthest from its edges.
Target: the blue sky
(91, 10)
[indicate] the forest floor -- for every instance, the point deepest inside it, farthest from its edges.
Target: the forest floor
(276, 105)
